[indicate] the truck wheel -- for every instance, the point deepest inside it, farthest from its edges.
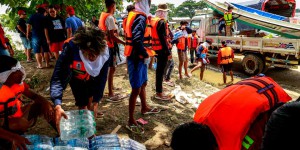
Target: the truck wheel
(253, 64)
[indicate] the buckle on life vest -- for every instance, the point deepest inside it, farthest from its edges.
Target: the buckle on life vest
(265, 88)
(248, 141)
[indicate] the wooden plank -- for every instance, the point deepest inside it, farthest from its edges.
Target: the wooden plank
(116, 129)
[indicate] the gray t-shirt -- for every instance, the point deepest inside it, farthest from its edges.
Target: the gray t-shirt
(110, 23)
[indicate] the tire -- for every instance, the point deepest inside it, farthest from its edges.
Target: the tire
(253, 64)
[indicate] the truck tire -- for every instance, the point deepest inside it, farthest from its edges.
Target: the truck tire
(253, 64)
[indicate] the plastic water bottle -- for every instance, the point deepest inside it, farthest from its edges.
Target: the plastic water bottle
(80, 124)
(103, 141)
(68, 148)
(39, 142)
(128, 144)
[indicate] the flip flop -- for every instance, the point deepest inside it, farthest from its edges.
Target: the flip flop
(163, 98)
(135, 129)
(169, 83)
(152, 111)
(37, 67)
(116, 99)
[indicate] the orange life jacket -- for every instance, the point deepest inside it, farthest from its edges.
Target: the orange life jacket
(10, 104)
(193, 43)
(128, 34)
(77, 66)
(226, 55)
(168, 36)
(103, 27)
(147, 36)
(156, 44)
(230, 112)
(181, 43)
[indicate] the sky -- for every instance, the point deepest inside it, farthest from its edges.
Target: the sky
(176, 2)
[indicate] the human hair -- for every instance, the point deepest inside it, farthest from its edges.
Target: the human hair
(208, 41)
(229, 7)
(193, 31)
(6, 63)
(193, 136)
(51, 6)
(41, 10)
(108, 3)
(129, 8)
(183, 22)
(91, 39)
(224, 43)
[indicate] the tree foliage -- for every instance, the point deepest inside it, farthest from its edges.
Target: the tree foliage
(84, 8)
(171, 6)
(298, 10)
(188, 8)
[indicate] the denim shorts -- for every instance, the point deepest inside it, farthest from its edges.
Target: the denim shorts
(3, 51)
(26, 43)
(38, 43)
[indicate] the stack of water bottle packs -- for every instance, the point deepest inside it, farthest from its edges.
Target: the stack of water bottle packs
(75, 132)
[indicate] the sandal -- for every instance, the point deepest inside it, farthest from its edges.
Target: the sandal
(163, 98)
(37, 67)
(137, 129)
(169, 83)
(117, 98)
(152, 111)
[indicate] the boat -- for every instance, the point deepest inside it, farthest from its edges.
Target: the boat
(259, 19)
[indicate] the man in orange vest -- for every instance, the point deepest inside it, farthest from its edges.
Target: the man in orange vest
(160, 46)
(233, 118)
(15, 119)
(107, 24)
(137, 60)
(225, 60)
(192, 44)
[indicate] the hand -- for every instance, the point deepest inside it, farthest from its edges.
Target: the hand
(19, 142)
(48, 42)
(48, 110)
(27, 36)
(59, 112)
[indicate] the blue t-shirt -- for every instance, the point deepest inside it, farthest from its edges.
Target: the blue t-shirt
(37, 22)
(74, 23)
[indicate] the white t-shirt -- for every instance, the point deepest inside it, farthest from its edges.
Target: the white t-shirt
(110, 23)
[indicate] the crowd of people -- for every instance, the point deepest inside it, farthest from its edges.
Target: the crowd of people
(86, 58)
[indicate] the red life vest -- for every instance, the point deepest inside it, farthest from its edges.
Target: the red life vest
(156, 45)
(230, 112)
(10, 104)
(181, 43)
(193, 43)
(103, 27)
(226, 57)
(77, 66)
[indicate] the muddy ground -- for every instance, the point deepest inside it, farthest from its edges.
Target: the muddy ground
(160, 127)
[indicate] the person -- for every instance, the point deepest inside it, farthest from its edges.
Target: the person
(221, 25)
(108, 25)
(202, 59)
(9, 47)
(160, 46)
(181, 45)
(55, 31)
(15, 119)
(233, 118)
(73, 22)
(282, 128)
(137, 59)
(38, 39)
(170, 64)
(3, 45)
(228, 21)
(84, 65)
(225, 60)
(192, 45)
(21, 28)
(94, 21)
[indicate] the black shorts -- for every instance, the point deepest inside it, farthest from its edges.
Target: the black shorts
(94, 87)
(226, 67)
(112, 57)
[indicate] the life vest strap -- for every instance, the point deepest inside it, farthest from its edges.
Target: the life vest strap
(128, 43)
(226, 57)
(7, 112)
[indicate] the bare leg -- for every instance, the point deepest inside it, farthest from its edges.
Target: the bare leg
(231, 74)
(224, 77)
(202, 72)
(110, 81)
(132, 100)
(47, 59)
(38, 57)
(185, 68)
(196, 67)
(142, 95)
(180, 69)
(56, 55)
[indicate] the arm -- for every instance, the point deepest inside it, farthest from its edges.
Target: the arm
(161, 29)
(188, 30)
(219, 57)
(47, 36)
(21, 29)
(110, 23)
(138, 30)
(68, 28)
(18, 141)
(28, 31)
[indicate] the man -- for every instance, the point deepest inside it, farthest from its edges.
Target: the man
(107, 24)
(160, 46)
(228, 21)
(84, 65)
(55, 32)
(225, 60)
(137, 59)
(233, 118)
(21, 28)
(73, 22)
(15, 117)
(201, 54)
(181, 45)
(38, 39)
(192, 44)
(170, 64)
(94, 21)
(282, 128)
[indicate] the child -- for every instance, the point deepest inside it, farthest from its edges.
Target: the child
(15, 119)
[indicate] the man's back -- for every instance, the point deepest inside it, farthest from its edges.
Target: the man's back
(37, 22)
(74, 23)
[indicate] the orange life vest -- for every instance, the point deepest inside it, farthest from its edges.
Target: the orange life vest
(103, 27)
(193, 43)
(147, 36)
(128, 34)
(181, 43)
(10, 104)
(77, 66)
(168, 36)
(156, 44)
(226, 55)
(230, 112)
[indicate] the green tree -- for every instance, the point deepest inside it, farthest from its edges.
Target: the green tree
(298, 10)
(188, 8)
(172, 10)
(153, 9)
(84, 8)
